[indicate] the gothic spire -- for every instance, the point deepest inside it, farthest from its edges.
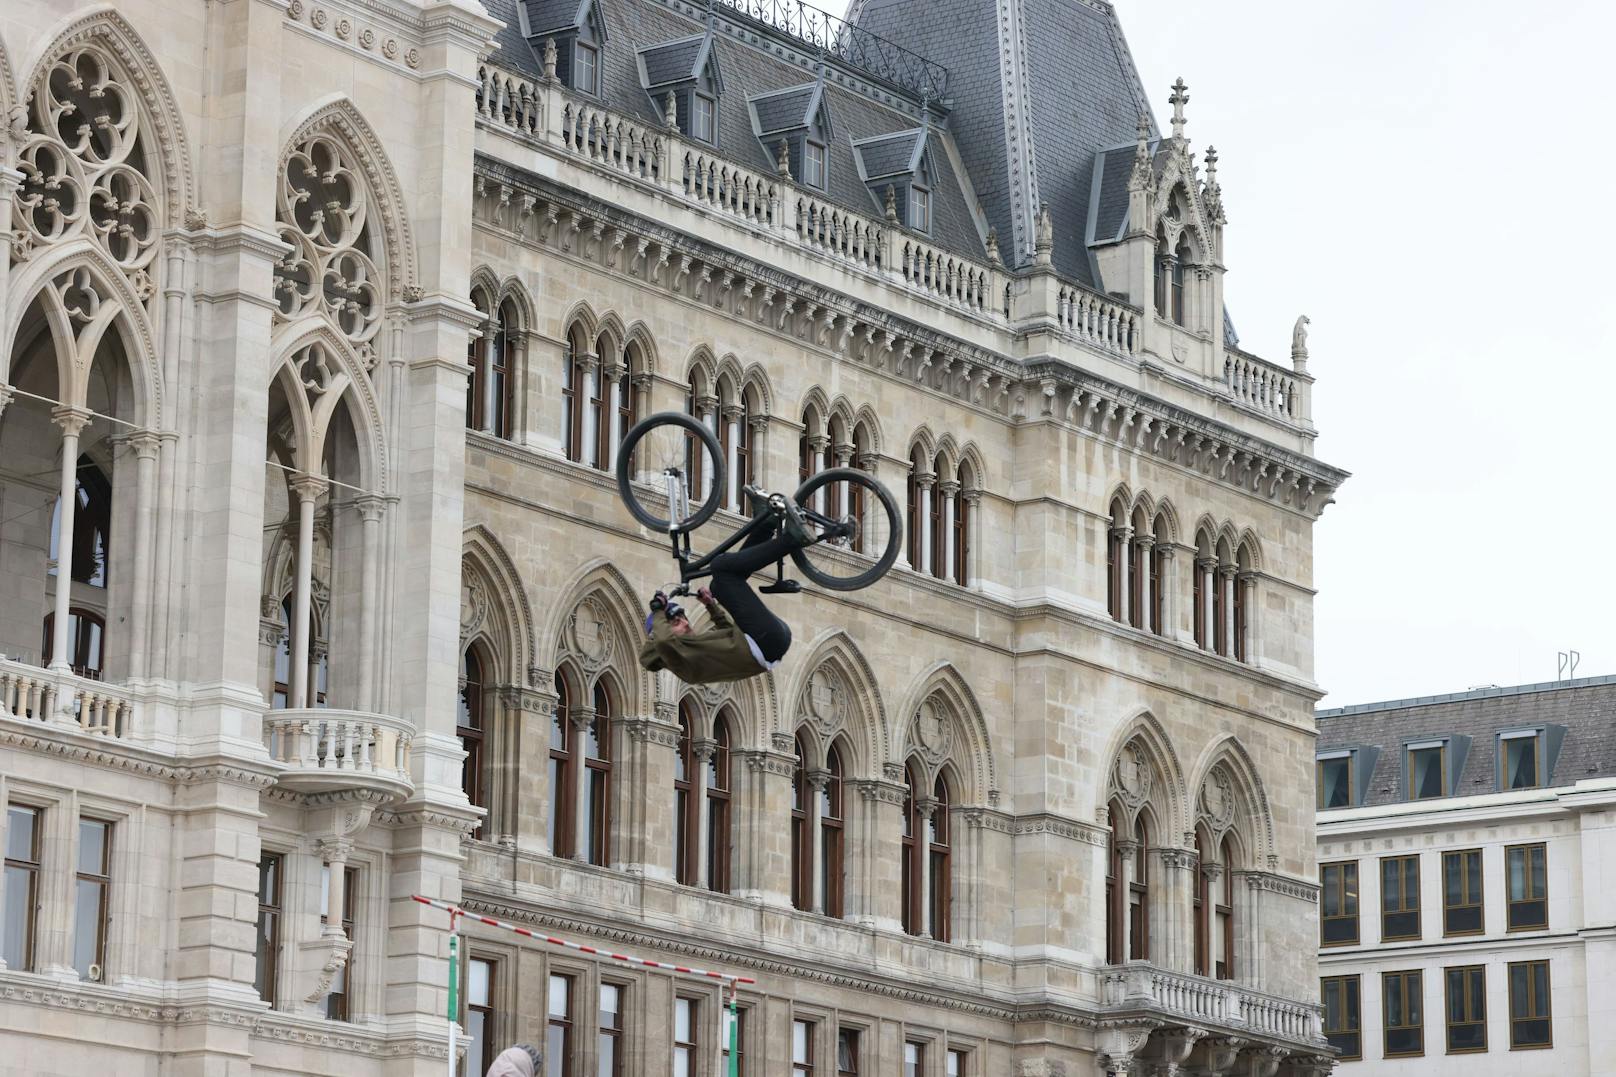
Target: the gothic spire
(1179, 98)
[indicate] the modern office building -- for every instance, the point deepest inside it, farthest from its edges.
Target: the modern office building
(320, 321)
(1468, 912)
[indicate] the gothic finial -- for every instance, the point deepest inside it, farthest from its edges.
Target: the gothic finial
(1179, 98)
(892, 205)
(782, 159)
(670, 111)
(1044, 242)
(1212, 193)
(993, 246)
(1299, 343)
(549, 58)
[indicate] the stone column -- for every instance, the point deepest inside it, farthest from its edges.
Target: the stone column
(1213, 872)
(10, 181)
(1247, 582)
(146, 445)
(925, 808)
(1144, 544)
(581, 719)
(643, 832)
(950, 492)
(817, 444)
(925, 483)
(1174, 910)
(1169, 608)
(1121, 538)
(1207, 568)
(732, 464)
(590, 436)
(701, 752)
(614, 411)
(758, 428)
(817, 780)
(1225, 580)
(1127, 851)
(370, 515)
(307, 489)
(707, 414)
(973, 539)
(72, 420)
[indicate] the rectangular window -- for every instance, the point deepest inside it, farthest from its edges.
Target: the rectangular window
(1402, 1012)
(956, 1064)
(914, 1060)
(1343, 1015)
(611, 1030)
(269, 925)
(584, 68)
(847, 1052)
(702, 118)
(1518, 761)
(480, 1050)
(558, 1031)
(1461, 892)
(920, 209)
(1467, 1009)
(337, 1002)
(1529, 1022)
(22, 886)
(813, 165)
(735, 1028)
(1399, 897)
(92, 889)
(1528, 872)
(1338, 923)
(802, 1049)
(1425, 771)
(1335, 781)
(684, 1038)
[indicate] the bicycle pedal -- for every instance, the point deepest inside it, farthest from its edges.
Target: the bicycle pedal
(782, 587)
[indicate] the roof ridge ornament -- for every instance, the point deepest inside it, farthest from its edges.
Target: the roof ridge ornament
(1144, 173)
(1178, 99)
(1212, 194)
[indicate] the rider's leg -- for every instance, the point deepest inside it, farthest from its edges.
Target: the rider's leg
(746, 609)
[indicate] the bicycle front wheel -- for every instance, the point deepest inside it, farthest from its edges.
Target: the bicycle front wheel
(860, 528)
(670, 472)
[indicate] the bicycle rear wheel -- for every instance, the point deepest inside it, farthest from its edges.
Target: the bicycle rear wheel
(670, 472)
(863, 554)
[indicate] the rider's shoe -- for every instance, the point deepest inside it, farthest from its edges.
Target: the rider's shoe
(782, 587)
(795, 526)
(757, 498)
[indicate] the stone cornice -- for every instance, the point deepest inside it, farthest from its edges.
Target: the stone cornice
(1284, 885)
(1061, 827)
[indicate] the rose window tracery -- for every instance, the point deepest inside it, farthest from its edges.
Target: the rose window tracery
(85, 167)
(330, 268)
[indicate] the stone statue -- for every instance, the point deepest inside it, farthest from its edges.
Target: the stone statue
(1044, 235)
(1299, 337)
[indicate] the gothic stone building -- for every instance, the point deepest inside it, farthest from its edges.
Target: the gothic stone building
(319, 323)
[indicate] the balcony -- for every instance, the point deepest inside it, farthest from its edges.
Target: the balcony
(335, 751)
(1139, 989)
(31, 694)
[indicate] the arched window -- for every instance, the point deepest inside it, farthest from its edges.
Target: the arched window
(694, 405)
(910, 882)
(1138, 569)
(940, 878)
(501, 385)
(563, 745)
(718, 823)
(1113, 899)
(830, 835)
(1116, 560)
(1159, 581)
(684, 804)
(598, 419)
(919, 510)
(1205, 574)
(1242, 585)
(863, 459)
(318, 658)
(92, 524)
(938, 521)
(1225, 913)
(469, 727)
(962, 525)
(802, 853)
(574, 395)
(1139, 897)
(1202, 906)
(598, 764)
(628, 406)
(86, 631)
(1180, 260)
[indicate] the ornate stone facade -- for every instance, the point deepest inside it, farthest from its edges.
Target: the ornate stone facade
(295, 622)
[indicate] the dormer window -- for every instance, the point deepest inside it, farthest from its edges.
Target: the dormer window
(586, 69)
(898, 165)
(920, 209)
(1335, 784)
(1427, 770)
(813, 165)
(578, 31)
(794, 125)
(1520, 759)
(685, 70)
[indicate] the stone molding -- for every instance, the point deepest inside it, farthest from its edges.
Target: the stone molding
(1284, 885)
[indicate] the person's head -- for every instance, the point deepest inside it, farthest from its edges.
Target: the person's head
(520, 1060)
(680, 625)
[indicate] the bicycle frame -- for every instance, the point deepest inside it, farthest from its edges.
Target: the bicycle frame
(700, 566)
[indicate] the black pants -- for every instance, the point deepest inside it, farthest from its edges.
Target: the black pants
(762, 547)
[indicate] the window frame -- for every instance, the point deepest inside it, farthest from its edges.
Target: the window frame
(1510, 901)
(850, 1065)
(952, 1055)
(562, 774)
(1319, 761)
(339, 1003)
(815, 164)
(32, 868)
(581, 49)
(612, 1033)
(100, 879)
(1472, 884)
(1412, 987)
(1409, 750)
(1409, 872)
(1505, 739)
(697, 99)
(472, 733)
(803, 1067)
(599, 770)
(566, 1022)
(487, 1012)
(1473, 1003)
(687, 1049)
(917, 1068)
(1345, 980)
(1547, 1014)
(920, 198)
(1354, 892)
(739, 1016)
(271, 908)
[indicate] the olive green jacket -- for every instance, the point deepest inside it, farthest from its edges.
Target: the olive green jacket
(717, 653)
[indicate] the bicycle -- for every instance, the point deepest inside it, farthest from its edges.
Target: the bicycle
(671, 474)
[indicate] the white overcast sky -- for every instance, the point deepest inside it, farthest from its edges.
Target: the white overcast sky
(1431, 183)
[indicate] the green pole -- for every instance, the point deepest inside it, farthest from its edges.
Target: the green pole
(454, 1000)
(734, 1037)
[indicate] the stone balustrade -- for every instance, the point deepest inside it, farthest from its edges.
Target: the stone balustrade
(840, 233)
(731, 189)
(29, 693)
(1098, 320)
(333, 750)
(945, 276)
(1142, 987)
(1265, 386)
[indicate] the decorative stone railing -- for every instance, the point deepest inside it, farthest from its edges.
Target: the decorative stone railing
(1140, 986)
(543, 111)
(333, 750)
(1098, 320)
(1265, 386)
(29, 693)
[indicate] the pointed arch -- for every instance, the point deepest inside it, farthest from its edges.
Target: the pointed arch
(972, 464)
(815, 403)
(1248, 551)
(866, 417)
(514, 292)
(835, 690)
(1249, 817)
(702, 366)
(729, 372)
(969, 748)
(924, 440)
(8, 84)
(755, 379)
(338, 117)
(483, 277)
(640, 336)
(1165, 514)
(611, 327)
(1121, 498)
(1163, 790)
(105, 27)
(579, 316)
(604, 588)
(507, 620)
(355, 392)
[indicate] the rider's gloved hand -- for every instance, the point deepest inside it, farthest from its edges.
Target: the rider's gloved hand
(658, 601)
(705, 597)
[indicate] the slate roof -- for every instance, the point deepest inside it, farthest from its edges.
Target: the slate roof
(548, 16)
(672, 61)
(1585, 708)
(750, 71)
(785, 109)
(889, 156)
